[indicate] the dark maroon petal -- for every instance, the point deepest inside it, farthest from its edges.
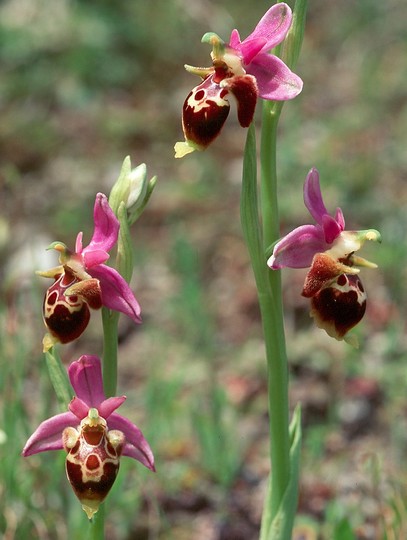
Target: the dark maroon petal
(204, 112)
(340, 306)
(66, 318)
(245, 90)
(89, 290)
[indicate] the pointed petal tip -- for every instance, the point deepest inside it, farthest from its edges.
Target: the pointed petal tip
(116, 292)
(274, 25)
(91, 508)
(183, 148)
(48, 342)
(106, 226)
(48, 435)
(272, 263)
(352, 340)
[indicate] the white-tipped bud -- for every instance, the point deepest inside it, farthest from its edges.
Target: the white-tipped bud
(137, 187)
(131, 188)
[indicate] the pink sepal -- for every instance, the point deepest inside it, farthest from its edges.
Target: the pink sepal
(94, 257)
(106, 229)
(297, 248)
(48, 435)
(116, 293)
(109, 405)
(79, 408)
(85, 375)
(249, 48)
(136, 445)
(331, 228)
(274, 79)
(273, 26)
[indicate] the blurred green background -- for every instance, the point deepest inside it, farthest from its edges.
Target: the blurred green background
(85, 83)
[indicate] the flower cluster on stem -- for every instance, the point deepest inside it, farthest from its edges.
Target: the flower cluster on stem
(93, 435)
(338, 298)
(244, 69)
(83, 281)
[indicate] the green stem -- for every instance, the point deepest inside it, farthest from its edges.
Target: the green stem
(273, 319)
(109, 319)
(97, 525)
(269, 293)
(109, 363)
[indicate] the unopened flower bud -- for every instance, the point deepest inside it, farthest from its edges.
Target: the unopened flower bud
(131, 188)
(137, 186)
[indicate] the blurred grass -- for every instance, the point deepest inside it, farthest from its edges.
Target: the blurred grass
(82, 85)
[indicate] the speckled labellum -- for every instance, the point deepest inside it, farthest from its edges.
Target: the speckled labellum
(93, 460)
(66, 305)
(204, 112)
(339, 306)
(206, 108)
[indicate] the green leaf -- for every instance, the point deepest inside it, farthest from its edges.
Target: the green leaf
(343, 531)
(291, 47)
(282, 524)
(249, 210)
(59, 378)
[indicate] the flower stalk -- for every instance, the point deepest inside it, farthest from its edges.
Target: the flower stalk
(92, 434)
(260, 223)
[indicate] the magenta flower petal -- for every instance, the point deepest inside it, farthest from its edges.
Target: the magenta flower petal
(136, 445)
(110, 405)
(250, 48)
(273, 26)
(340, 219)
(297, 248)
(85, 375)
(79, 408)
(106, 229)
(94, 257)
(331, 228)
(313, 196)
(48, 435)
(338, 299)
(116, 436)
(234, 40)
(275, 80)
(116, 293)
(78, 243)
(238, 59)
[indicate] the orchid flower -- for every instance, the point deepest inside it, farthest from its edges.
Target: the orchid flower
(92, 434)
(244, 69)
(83, 281)
(338, 298)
